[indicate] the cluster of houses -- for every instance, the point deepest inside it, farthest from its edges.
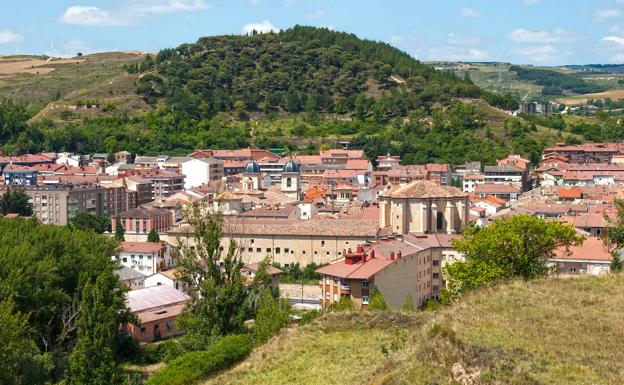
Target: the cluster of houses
(388, 227)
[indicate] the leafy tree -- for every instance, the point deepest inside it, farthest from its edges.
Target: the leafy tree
(219, 303)
(517, 246)
(344, 304)
(377, 301)
(15, 201)
(92, 359)
(119, 230)
(18, 352)
(270, 317)
(153, 236)
(87, 221)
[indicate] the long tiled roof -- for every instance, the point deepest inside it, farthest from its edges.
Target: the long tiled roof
(154, 297)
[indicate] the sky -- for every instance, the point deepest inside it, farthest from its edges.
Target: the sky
(540, 32)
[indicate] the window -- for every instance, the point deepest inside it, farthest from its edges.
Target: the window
(327, 279)
(170, 324)
(315, 252)
(125, 259)
(288, 182)
(436, 275)
(436, 262)
(286, 250)
(335, 296)
(436, 288)
(142, 329)
(268, 249)
(327, 295)
(250, 249)
(572, 269)
(364, 300)
(277, 250)
(322, 243)
(364, 283)
(258, 249)
(251, 241)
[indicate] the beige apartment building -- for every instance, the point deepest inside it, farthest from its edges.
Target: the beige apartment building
(58, 204)
(400, 267)
(290, 241)
(423, 206)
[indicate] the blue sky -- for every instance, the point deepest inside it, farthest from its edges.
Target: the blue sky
(545, 32)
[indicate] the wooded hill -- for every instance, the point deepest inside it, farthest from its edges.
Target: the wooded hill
(298, 89)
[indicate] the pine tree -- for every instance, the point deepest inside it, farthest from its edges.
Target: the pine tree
(92, 361)
(270, 318)
(153, 236)
(119, 230)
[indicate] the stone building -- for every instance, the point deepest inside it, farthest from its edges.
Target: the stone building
(423, 207)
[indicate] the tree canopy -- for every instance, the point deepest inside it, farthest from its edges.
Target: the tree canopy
(511, 247)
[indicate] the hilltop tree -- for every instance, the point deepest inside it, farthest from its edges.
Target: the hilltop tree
(517, 246)
(15, 201)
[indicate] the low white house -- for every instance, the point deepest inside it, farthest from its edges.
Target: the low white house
(166, 277)
(201, 171)
(131, 278)
(145, 257)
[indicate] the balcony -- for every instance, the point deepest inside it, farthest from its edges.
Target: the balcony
(345, 287)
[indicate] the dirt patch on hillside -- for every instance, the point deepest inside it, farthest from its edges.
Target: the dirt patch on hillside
(19, 65)
(582, 99)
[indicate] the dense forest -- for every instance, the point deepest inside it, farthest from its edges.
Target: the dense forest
(555, 82)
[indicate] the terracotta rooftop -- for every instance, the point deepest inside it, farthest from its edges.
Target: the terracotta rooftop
(142, 247)
(592, 249)
(423, 189)
(496, 188)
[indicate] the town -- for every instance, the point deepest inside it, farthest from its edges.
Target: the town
(388, 226)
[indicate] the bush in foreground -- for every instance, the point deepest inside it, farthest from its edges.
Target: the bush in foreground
(193, 367)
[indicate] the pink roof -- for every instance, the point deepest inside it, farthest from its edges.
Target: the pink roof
(341, 174)
(496, 188)
(349, 154)
(357, 164)
(437, 167)
(592, 249)
(270, 270)
(142, 247)
(153, 297)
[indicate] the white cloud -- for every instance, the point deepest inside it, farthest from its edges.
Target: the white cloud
(8, 36)
(169, 6)
(617, 40)
(316, 14)
(88, 16)
(531, 2)
(469, 12)
(131, 12)
(604, 14)
(450, 53)
(556, 35)
(263, 26)
(544, 53)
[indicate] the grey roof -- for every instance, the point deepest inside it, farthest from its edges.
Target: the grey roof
(126, 273)
(291, 167)
(252, 168)
(179, 159)
(145, 159)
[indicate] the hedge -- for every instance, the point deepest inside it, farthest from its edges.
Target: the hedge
(190, 368)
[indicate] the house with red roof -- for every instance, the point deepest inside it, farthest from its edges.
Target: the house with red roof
(400, 267)
(145, 257)
(591, 257)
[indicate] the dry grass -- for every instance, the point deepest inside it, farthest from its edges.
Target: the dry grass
(11, 65)
(558, 331)
(582, 99)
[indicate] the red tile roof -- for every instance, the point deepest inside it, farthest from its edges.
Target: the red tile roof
(592, 249)
(142, 247)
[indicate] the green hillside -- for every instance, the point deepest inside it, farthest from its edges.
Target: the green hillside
(298, 89)
(555, 331)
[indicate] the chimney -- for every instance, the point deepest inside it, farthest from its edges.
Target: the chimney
(349, 251)
(392, 255)
(398, 255)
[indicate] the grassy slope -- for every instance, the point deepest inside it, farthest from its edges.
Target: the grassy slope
(99, 77)
(561, 331)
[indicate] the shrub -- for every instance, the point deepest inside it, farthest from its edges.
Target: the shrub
(270, 318)
(193, 367)
(378, 302)
(309, 316)
(171, 349)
